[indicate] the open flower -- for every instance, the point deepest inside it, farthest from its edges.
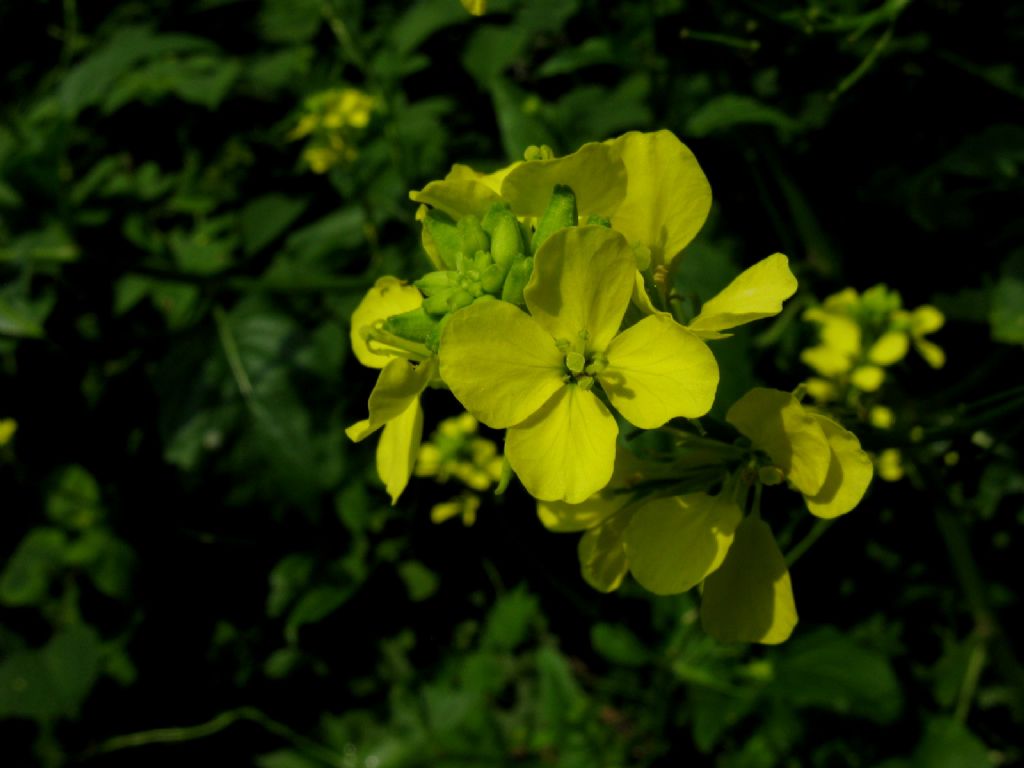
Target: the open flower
(539, 375)
(394, 404)
(817, 456)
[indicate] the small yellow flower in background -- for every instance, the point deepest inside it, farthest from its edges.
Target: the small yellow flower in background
(7, 429)
(455, 450)
(860, 336)
(889, 464)
(475, 7)
(331, 121)
(534, 374)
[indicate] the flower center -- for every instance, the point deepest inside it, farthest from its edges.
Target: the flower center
(582, 364)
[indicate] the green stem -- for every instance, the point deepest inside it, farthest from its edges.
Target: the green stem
(820, 526)
(866, 64)
(231, 353)
(214, 726)
(720, 39)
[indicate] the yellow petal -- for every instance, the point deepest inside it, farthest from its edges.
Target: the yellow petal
(499, 363)
(849, 473)
(457, 197)
(492, 181)
(398, 386)
(926, 319)
(389, 296)
(673, 544)
(822, 390)
(602, 554)
(658, 370)
(840, 343)
(867, 378)
(667, 197)
(475, 7)
(560, 517)
(777, 424)
(931, 352)
(566, 450)
(890, 348)
(756, 293)
(397, 449)
(582, 280)
(750, 598)
(594, 172)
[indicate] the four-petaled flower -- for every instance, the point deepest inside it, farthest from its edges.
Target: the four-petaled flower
(542, 375)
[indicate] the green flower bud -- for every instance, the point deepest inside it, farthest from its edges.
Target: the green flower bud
(594, 220)
(482, 261)
(473, 236)
(560, 213)
(445, 234)
(459, 299)
(515, 282)
(492, 278)
(507, 240)
(543, 152)
(770, 475)
(414, 325)
(438, 304)
(435, 282)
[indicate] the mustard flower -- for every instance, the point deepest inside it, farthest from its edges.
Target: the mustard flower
(7, 429)
(536, 374)
(394, 404)
(455, 450)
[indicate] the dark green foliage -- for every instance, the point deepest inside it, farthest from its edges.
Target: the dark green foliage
(196, 565)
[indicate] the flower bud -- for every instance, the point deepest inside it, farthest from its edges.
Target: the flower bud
(473, 236)
(436, 282)
(414, 325)
(445, 234)
(507, 239)
(515, 282)
(560, 213)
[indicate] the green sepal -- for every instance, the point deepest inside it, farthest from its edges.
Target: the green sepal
(472, 235)
(593, 220)
(492, 278)
(445, 234)
(560, 213)
(433, 283)
(507, 238)
(439, 303)
(414, 325)
(433, 340)
(515, 282)
(459, 299)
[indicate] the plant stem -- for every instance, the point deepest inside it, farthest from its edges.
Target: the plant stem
(820, 526)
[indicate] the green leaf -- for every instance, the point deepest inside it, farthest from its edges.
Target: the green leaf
(730, 110)
(420, 581)
(53, 681)
(266, 218)
(828, 670)
(290, 21)
(509, 621)
(518, 118)
(619, 645)
(421, 20)
(948, 744)
(74, 501)
(26, 576)
(1006, 315)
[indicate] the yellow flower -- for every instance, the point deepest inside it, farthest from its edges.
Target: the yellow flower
(465, 505)
(535, 374)
(922, 321)
(395, 405)
(7, 429)
(890, 465)
(819, 458)
(475, 7)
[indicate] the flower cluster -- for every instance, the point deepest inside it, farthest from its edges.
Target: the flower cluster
(860, 337)
(549, 313)
(330, 122)
(457, 451)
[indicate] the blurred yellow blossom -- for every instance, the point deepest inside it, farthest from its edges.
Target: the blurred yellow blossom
(331, 121)
(7, 429)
